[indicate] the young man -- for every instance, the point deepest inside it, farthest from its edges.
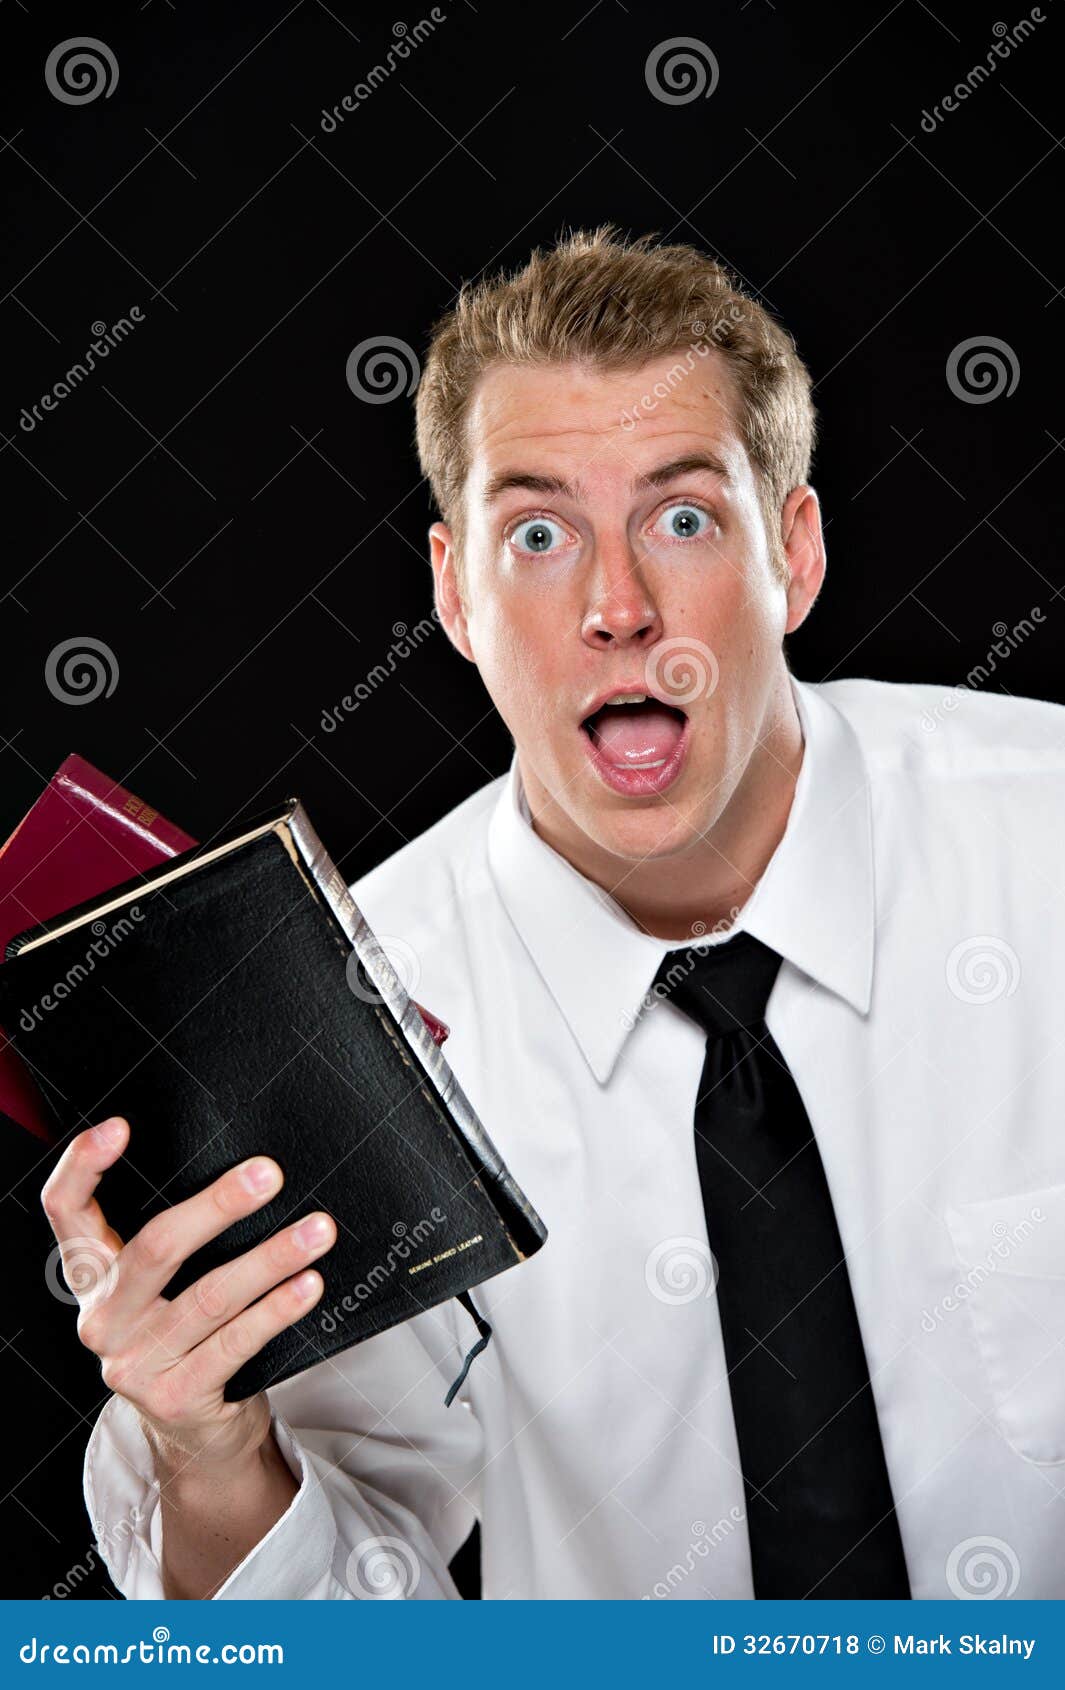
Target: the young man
(754, 982)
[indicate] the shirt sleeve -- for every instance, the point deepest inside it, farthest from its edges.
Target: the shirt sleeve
(389, 1479)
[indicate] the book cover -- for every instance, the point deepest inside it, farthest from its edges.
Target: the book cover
(83, 836)
(241, 1005)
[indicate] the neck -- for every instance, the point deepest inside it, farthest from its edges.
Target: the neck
(705, 886)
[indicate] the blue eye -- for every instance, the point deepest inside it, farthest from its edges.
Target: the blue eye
(684, 522)
(538, 535)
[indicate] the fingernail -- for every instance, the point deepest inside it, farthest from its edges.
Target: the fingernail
(259, 1175)
(306, 1285)
(109, 1132)
(313, 1231)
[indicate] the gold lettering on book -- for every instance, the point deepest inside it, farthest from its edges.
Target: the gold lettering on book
(138, 808)
(443, 1255)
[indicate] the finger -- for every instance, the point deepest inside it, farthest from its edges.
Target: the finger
(227, 1290)
(214, 1361)
(67, 1197)
(154, 1254)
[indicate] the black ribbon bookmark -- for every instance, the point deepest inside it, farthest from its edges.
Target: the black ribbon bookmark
(486, 1332)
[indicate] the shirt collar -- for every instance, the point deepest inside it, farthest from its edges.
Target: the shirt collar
(813, 904)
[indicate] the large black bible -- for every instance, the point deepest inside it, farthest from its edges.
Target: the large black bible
(235, 1002)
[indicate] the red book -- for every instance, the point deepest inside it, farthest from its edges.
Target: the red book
(84, 835)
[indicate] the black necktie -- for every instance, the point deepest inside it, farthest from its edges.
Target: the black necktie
(820, 1513)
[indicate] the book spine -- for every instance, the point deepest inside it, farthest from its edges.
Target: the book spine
(334, 890)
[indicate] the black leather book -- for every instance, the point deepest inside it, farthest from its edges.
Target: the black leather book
(235, 1002)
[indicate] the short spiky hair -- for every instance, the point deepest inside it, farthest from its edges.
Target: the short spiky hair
(615, 304)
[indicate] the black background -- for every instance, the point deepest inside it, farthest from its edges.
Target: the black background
(243, 533)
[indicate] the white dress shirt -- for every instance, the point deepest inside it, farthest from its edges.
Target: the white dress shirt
(917, 900)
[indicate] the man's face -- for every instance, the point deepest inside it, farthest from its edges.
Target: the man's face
(618, 547)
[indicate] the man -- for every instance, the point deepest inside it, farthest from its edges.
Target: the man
(755, 984)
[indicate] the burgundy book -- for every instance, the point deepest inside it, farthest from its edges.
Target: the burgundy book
(85, 835)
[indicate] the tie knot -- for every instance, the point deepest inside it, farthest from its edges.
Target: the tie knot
(722, 986)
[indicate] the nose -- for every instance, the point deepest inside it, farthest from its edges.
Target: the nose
(621, 608)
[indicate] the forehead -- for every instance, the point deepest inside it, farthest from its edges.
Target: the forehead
(540, 416)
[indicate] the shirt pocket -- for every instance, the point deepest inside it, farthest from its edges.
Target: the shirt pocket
(1012, 1255)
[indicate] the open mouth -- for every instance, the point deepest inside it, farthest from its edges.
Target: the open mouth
(637, 743)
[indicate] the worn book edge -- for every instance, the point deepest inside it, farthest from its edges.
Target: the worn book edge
(311, 857)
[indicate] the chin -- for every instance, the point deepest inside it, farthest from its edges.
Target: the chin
(641, 832)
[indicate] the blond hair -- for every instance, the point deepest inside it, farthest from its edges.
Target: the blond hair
(615, 304)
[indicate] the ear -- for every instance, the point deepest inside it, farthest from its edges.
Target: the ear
(448, 598)
(804, 552)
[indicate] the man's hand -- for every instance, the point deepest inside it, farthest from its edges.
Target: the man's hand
(171, 1359)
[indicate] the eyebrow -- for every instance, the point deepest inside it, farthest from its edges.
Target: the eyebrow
(692, 463)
